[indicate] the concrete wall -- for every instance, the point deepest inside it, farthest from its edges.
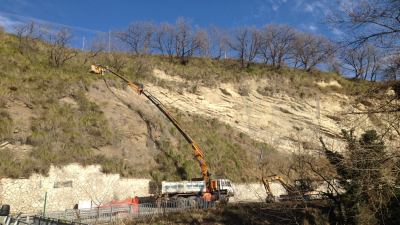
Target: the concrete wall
(255, 192)
(67, 186)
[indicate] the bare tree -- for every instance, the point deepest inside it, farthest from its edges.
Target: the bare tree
(138, 37)
(375, 21)
(185, 42)
(59, 51)
(165, 40)
(254, 46)
(27, 35)
(219, 42)
(238, 43)
(97, 46)
(276, 42)
(308, 51)
(392, 70)
(362, 61)
(246, 42)
(202, 42)
(334, 64)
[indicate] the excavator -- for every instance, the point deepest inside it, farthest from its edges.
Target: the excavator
(215, 189)
(302, 190)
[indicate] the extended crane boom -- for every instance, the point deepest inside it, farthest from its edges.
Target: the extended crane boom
(198, 153)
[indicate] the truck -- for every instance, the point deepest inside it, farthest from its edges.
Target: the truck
(194, 189)
(205, 189)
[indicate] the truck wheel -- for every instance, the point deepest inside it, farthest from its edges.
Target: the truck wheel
(223, 199)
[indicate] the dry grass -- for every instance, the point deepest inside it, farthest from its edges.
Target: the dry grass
(62, 134)
(251, 213)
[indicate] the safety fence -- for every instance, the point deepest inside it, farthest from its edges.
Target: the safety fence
(139, 211)
(35, 220)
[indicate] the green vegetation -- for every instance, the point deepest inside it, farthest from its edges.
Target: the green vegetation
(61, 133)
(5, 125)
(64, 133)
(210, 72)
(367, 173)
(223, 147)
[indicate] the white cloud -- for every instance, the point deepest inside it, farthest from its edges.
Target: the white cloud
(8, 23)
(309, 8)
(337, 32)
(9, 20)
(316, 7)
(265, 7)
(312, 27)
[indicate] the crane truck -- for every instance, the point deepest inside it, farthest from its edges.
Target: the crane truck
(206, 189)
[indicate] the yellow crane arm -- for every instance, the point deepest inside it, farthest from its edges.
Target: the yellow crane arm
(281, 180)
(198, 153)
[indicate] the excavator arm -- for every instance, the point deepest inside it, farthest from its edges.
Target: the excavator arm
(198, 153)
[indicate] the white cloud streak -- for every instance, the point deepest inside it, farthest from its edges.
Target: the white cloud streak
(7, 23)
(337, 32)
(312, 27)
(10, 20)
(317, 7)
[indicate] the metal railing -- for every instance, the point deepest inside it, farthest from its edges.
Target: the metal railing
(36, 220)
(140, 211)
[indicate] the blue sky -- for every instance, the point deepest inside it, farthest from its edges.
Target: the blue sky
(90, 16)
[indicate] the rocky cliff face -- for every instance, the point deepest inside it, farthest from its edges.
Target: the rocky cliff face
(256, 108)
(274, 118)
(287, 123)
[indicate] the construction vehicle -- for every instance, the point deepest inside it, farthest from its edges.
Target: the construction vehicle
(207, 189)
(302, 190)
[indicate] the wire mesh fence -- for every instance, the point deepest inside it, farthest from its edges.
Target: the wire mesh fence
(139, 211)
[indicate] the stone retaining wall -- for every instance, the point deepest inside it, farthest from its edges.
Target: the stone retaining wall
(67, 186)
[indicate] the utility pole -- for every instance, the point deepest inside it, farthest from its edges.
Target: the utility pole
(45, 203)
(83, 43)
(109, 41)
(318, 107)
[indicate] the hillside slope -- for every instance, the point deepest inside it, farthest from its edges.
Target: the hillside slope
(64, 115)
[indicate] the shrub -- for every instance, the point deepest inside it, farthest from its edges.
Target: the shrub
(5, 125)
(243, 90)
(64, 135)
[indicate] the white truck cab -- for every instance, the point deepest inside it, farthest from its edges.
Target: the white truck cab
(224, 186)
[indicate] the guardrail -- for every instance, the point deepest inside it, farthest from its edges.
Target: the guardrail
(140, 211)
